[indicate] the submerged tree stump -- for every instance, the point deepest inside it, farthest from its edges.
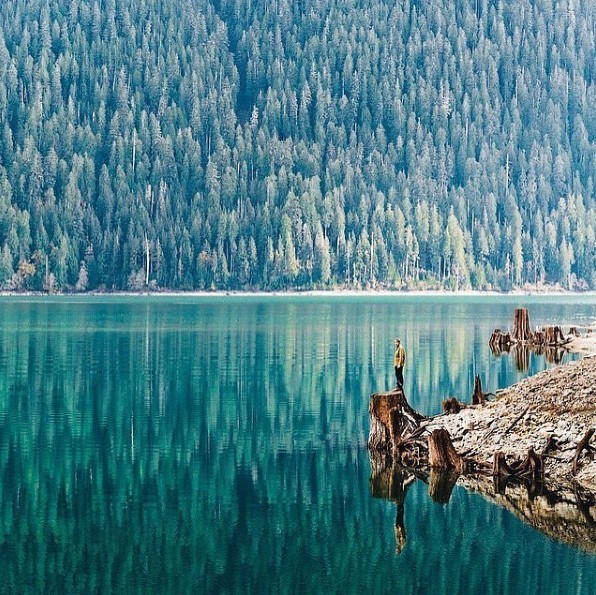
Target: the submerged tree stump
(553, 336)
(521, 356)
(521, 325)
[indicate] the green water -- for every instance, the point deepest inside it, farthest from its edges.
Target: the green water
(218, 446)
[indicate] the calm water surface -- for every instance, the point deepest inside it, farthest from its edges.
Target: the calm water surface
(218, 446)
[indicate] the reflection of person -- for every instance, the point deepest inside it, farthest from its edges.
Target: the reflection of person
(399, 361)
(400, 530)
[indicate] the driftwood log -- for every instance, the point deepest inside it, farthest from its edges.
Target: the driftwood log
(583, 444)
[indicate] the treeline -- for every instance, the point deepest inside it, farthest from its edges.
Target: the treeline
(196, 145)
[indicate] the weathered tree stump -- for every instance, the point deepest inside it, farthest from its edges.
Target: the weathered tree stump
(391, 419)
(499, 341)
(452, 405)
(539, 338)
(551, 444)
(553, 336)
(442, 453)
(521, 325)
(523, 339)
(532, 467)
(478, 397)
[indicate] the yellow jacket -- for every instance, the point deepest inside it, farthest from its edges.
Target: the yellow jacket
(399, 359)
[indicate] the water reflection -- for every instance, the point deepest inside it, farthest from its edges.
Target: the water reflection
(392, 483)
(521, 354)
(565, 513)
(200, 446)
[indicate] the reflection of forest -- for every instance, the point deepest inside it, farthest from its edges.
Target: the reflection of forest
(184, 448)
(143, 453)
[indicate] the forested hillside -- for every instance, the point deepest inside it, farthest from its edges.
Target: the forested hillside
(273, 144)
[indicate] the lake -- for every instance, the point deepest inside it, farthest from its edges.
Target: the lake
(218, 445)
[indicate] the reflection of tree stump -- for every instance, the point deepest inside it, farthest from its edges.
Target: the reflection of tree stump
(521, 325)
(442, 453)
(554, 355)
(521, 356)
(392, 483)
(441, 483)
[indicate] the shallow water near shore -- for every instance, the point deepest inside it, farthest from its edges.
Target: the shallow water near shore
(218, 444)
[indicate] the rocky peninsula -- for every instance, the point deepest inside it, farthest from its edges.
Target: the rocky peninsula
(557, 406)
(529, 449)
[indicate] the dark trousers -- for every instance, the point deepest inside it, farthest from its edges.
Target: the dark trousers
(399, 376)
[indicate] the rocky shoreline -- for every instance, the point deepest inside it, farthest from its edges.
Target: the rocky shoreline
(530, 450)
(558, 403)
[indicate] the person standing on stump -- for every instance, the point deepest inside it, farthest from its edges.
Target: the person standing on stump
(399, 361)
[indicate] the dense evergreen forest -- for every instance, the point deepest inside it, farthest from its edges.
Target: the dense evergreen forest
(196, 144)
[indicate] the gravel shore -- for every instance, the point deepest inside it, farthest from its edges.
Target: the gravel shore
(559, 402)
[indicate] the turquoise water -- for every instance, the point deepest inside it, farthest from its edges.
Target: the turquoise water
(218, 445)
